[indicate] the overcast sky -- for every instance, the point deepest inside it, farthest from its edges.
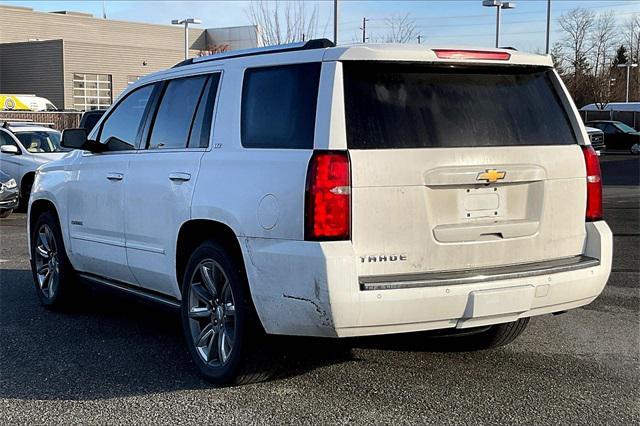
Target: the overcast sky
(463, 22)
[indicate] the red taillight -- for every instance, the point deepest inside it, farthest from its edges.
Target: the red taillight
(594, 184)
(328, 203)
(472, 54)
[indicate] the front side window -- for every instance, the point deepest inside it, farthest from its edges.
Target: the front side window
(40, 141)
(174, 118)
(120, 129)
(401, 105)
(279, 106)
(91, 91)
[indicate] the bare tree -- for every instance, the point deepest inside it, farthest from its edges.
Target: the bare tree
(603, 39)
(281, 22)
(577, 25)
(400, 29)
(631, 37)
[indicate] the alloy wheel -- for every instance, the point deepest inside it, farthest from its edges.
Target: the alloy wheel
(211, 311)
(46, 261)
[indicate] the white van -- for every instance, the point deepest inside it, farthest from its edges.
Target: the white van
(330, 191)
(25, 103)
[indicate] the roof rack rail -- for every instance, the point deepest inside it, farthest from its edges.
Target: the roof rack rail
(20, 123)
(320, 43)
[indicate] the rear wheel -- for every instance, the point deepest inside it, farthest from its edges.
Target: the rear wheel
(220, 327)
(491, 337)
(53, 276)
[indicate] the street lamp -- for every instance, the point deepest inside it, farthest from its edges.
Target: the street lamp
(186, 23)
(628, 66)
(499, 5)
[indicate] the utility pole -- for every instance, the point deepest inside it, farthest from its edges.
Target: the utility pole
(335, 22)
(419, 38)
(548, 26)
(364, 29)
(628, 66)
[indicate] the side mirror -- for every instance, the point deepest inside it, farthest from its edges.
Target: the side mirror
(74, 138)
(9, 149)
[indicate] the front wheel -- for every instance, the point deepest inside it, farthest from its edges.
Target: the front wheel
(218, 321)
(5, 213)
(53, 276)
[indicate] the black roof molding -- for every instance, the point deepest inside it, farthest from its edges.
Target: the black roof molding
(321, 43)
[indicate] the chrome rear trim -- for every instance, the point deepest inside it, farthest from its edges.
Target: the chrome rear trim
(469, 276)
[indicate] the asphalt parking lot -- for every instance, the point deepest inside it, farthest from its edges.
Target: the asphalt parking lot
(117, 360)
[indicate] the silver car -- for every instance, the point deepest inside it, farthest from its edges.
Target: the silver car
(24, 147)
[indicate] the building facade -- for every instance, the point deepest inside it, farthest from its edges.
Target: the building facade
(80, 62)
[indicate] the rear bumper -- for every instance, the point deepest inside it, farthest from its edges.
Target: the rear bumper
(305, 288)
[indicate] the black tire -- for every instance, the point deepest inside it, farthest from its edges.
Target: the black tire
(5, 213)
(247, 361)
(65, 290)
(25, 193)
(491, 337)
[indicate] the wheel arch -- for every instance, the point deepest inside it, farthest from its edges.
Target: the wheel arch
(36, 209)
(196, 231)
(28, 177)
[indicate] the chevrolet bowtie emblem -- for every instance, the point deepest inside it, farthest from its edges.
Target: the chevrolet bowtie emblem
(491, 175)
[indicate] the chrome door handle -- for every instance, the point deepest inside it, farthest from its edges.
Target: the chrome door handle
(115, 176)
(179, 177)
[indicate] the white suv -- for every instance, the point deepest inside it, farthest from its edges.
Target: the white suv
(331, 191)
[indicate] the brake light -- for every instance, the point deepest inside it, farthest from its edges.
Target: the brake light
(328, 197)
(472, 54)
(594, 184)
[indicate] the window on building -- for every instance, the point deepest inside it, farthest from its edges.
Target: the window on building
(91, 91)
(279, 106)
(132, 79)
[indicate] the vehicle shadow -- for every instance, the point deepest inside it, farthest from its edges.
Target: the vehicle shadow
(113, 345)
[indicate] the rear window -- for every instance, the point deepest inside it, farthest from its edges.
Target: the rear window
(279, 106)
(395, 105)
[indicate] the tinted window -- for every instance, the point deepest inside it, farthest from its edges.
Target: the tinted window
(199, 137)
(175, 115)
(120, 129)
(415, 106)
(279, 106)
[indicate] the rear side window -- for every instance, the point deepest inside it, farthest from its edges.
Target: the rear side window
(279, 106)
(199, 137)
(415, 106)
(172, 124)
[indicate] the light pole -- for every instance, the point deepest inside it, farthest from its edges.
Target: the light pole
(628, 66)
(186, 23)
(499, 5)
(548, 26)
(335, 22)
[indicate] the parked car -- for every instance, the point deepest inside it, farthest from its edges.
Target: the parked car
(618, 135)
(330, 191)
(24, 146)
(90, 118)
(8, 194)
(596, 136)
